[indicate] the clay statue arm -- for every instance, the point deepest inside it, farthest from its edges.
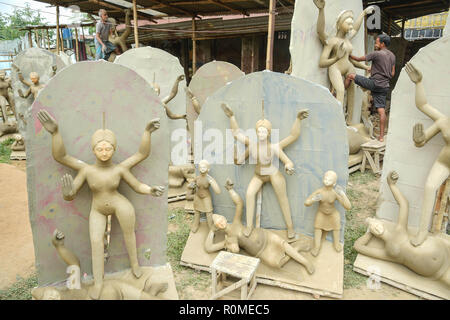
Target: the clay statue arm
(363, 58)
(24, 95)
(403, 204)
(25, 82)
(359, 21)
(421, 100)
(214, 184)
(174, 90)
(140, 187)
(210, 246)
(194, 100)
(295, 130)
(362, 247)
(320, 4)
(421, 137)
(172, 115)
(342, 198)
(68, 256)
(70, 187)
(325, 61)
(360, 65)
(234, 125)
(144, 148)
(237, 200)
(314, 197)
(58, 148)
(288, 164)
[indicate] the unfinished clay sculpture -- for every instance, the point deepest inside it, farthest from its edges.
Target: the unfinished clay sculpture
(441, 169)
(18, 144)
(121, 41)
(34, 86)
(336, 52)
(103, 178)
(264, 152)
(202, 195)
(430, 259)
(8, 127)
(6, 92)
(273, 250)
(327, 217)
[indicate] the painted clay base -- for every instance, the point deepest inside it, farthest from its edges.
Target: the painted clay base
(327, 280)
(122, 284)
(399, 276)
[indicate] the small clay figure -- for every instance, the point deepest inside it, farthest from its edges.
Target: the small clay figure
(121, 41)
(202, 195)
(336, 52)
(34, 86)
(273, 250)
(441, 168)
(430, 259)
(8, 127)
(5, 91)
(327, 217)
(103, 178)
(18, 144)
(264, 152)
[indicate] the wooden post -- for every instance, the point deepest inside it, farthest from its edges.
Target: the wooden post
(255, 53)
(194, 48)
(77, 50)
(389, 26)
(270, 35)
(135, 19)
(62, 40)
(57, 30)
(30, 41)
(403, 28)
(36, 37)
(48, 40)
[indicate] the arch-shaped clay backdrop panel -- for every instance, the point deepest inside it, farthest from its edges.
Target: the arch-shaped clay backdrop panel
(414, 164)
(32, 60)
(322, 145)
(208, 79)
(149, 62)
(77, 97)
(305, 46)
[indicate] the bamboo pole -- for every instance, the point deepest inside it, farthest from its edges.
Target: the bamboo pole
(194, 48)
(57, 30)
(135, 19)
(36, 37)
(48, 40)
(77, 52)
(62, 40)
(270, 35)
(30, 41)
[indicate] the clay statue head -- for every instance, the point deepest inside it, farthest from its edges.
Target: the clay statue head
(263, 129)
(219, 221)
(34, 77)
(376, 227)
(345, 21)
(103, 144)
(330, 178)
(203, 166)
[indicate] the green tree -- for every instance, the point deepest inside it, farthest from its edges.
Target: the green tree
(10, 24)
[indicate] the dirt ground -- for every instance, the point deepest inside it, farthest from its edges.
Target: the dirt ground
(17, 252)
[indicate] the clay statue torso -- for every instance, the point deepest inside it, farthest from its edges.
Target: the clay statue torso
(263, 158)
(444, 126)
(344, 63)
(327, 217)
(255, 243)
(35, 89)
(4, 85)
(202, 197)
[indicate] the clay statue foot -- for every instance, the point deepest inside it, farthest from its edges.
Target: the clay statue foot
(290, 233)
(194, 227)
(418, 239)
(95, 291)
(338, 247)
(137, 271)
(315, 251)
(248, 231)
(157, 288)
(310, 268)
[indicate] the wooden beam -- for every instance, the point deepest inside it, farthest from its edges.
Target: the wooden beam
(221, 4)
(194, 48)
(135, 22)
(409, 4)
(175, 8)
(270, 35)
(116, 7)
(77, 49)
(62, 40)
(57, 30)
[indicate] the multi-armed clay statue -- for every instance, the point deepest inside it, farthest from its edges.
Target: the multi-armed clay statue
(441, 168)
(103, 178)
(169, 98)
(264, 152)
(327, 217)
(273, 250)
(121, 41)
(202, 195)
(113, 289)
(5, 91)
(336, 52)
(34, 86)
(430, 259)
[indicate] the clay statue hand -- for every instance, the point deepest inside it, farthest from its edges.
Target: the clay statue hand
(58, 238)
(20, 92)
(229, 184)
(340, 51)
(54, 68)
(157, 191)
(392, 178)
(228, 112)
(303, 114)
(369, 10)
(414, 74)
(153, 125)
(289, 168)
(180, 78)
(419, 134)
(47, 121)
(189, 92)
(67, 186)
(192, 185)
(320, 4)
(339, 190)
(317, 197)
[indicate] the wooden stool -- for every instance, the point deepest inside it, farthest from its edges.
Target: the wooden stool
(376, 148)
(238, 266)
